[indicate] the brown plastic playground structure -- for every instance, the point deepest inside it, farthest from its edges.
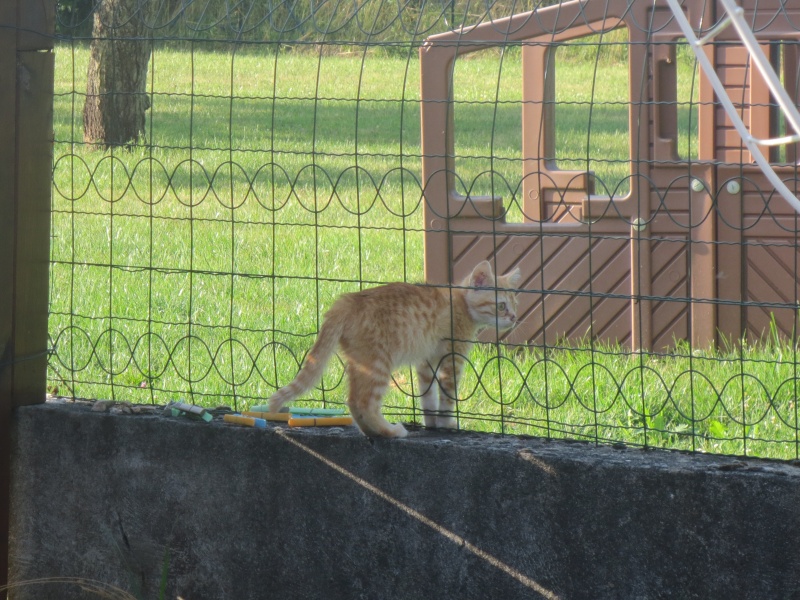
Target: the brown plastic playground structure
(699, 250)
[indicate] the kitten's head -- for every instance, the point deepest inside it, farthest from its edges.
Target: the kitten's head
(492, 302)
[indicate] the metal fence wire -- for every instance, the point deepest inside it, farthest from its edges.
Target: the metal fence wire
(294, 151)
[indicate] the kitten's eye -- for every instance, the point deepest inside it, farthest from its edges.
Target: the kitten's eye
(501, 306)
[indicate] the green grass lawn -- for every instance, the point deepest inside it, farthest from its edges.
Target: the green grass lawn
(198, 263)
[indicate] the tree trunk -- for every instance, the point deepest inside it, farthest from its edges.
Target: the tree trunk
(116, 99)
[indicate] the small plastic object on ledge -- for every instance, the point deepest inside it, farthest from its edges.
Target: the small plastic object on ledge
(319, 421)
(244, 420)
(267, 416)
(303, 410)
(314, 412)
(190, 410)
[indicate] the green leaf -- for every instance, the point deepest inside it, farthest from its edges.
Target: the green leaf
(716, 429)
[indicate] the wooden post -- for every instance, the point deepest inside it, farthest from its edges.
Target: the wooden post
(26, 146)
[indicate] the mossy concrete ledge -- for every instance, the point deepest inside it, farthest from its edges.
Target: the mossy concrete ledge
(218, 511)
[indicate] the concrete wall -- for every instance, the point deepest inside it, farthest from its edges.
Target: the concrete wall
(243, 513)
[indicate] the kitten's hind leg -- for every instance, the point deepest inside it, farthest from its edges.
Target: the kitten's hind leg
(449, 374)
(446, 419)
(429, 393)
(365, 398)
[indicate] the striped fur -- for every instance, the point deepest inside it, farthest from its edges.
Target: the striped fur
(381, 329)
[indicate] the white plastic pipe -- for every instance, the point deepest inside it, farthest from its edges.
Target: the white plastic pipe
(735, 17)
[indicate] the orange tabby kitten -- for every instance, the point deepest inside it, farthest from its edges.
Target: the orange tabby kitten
(381, 329)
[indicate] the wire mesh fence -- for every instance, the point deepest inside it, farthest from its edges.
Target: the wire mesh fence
(284, 160)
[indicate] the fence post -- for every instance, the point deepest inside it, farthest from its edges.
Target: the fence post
(26, 146)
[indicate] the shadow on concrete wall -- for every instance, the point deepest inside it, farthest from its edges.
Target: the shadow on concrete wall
(225, 512)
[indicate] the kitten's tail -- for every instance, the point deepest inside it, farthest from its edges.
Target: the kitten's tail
(313, 366)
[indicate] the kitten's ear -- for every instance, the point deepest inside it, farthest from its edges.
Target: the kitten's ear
(482, 275)
(511, 280)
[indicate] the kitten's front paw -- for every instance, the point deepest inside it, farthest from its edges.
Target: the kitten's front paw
(398, 431)
(446, 423)
(430, 419)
